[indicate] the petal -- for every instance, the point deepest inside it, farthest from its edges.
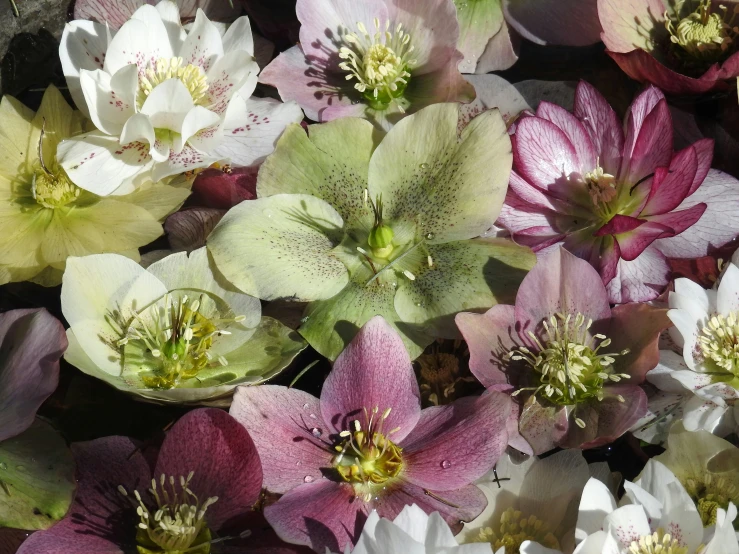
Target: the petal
(595, 504)
(281, 423)
(603, 125)
(640, 280)
(727, 300)
(634, 241)
(679, 220)
(168, 104)
(629, 24)
(187, 160)
(614, 418)
(188, 229)
(199, 130)
(568, 22)
(217, 189)
(575, 131)
(653, 144)
(229, 74)
(203, 45)
(637, 327)
(671, 186)
(141, 40)
(627, 524)
(114, 14)
(110, 100)
(239, 36)
(478, 22)
(454, 445)
(501, 52)
(702, 414)
(543, 426)
(31, 343)
(373, 372)
(494, 92)
(138, 128)
(83, 46)
(426, 174)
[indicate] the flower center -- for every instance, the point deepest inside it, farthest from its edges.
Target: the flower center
(710, 493)
(366, 457)
(192, 76)
(703, 36)
(658, 542)
(568, 363)
(379, 63)
(601, 186)
(719, 342)
(53, 191)
(515, 529)
(177, 522)
(173, 338)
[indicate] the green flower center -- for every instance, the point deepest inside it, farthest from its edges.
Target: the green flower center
(704, 36)
(568, 362)
(711, 492)
(192, 76)
(366, 457)
(53, 190)
(719, 342)
(379, 63)
(514, 529)
(658, 542)
(177, 523)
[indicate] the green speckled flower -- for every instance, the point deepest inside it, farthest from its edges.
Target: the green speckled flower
(360, 224)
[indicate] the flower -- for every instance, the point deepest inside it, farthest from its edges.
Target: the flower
(164, 101)
(576, 363)
(207, 473)
(658, 517)
(174, 332)
(375, 59)
(707, 374)
(360, 230)
(366, 444)
(44, 217)
(682, 47)
(116, 13)
(624, 203)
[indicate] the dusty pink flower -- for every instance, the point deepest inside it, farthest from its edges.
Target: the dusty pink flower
(366, 444)
(574, 364)
(682, 47)
(377, 59)
(622, 200)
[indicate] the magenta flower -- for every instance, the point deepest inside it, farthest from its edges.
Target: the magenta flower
(377, 59)
(574, 364)
(682, 47)
(206, 477)
(623, 201)
(366, 444)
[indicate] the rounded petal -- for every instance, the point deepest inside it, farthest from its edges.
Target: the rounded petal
(640, 280)
(636, 328)
(630, 24)
(478, 23)
(141, 39)
(83, 47)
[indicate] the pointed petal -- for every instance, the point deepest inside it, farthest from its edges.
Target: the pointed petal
(83, 46)
(141, 40)
(110, 100)
(653, 145)
(603, 125)
(543, 426)
(671, 186)
(227, 76)
(188, 160)
(114, 13)
(575, 131)
(203, 45)
(635, 241)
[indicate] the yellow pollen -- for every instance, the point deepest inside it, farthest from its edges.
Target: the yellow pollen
(192, 76)
(658, 542)
(711, 492)
(514, 529)
(719, 342)
(601, 186)
(704, 35)
(54, 191)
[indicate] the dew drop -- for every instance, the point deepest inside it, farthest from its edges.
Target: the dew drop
(3, 466)
(446, 464)
(297, 463)
(424, 165)
(430, 236)
(305, 406)
(313, 416)
(268, 213)
(305, 320)
(316, 432)
(308, 479)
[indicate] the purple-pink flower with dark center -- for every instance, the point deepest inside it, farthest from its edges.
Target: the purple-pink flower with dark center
(622, 200)
(366, 444)
(573, 362)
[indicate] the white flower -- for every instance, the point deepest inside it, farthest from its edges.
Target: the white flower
(164, 100)
(656, 516)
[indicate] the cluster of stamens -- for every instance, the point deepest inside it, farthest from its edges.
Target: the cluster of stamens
(192, 76)
(177, 524)
(704, 35)
(711, 492)
(719, 342)
(379, 62)
(366, 457)
(658, 542)
(568, 362)
(515, 529)
(601, 186)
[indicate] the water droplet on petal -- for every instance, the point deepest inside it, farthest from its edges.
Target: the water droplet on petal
(313, 416)
(424, 165)
(267, 213)
(297, 463)
(308, 479)
(316, 432)
(305, 406)
(20, 468)
(446, 464)
(430, 236)
(3, 466)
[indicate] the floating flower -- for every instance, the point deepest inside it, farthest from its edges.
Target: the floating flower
(174, 332)
(45, 217)
(575, 363)
(207, 473)
(164, 101)
(366, 444)
(375, 59)
(683, 47)
(656, 516)
(624, 203)
(360, 230)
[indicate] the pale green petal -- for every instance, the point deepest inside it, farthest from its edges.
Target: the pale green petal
(452, 186)
(21, 234)
(48, 277)
(17, 145)
(330, 163)
(280, 247)
(465, 276)
(159, 200)
(71, 235)
(478, 20)
(36, 478)
(58, 120)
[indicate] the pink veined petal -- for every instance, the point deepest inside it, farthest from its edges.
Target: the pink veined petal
(101, 520)
(574, 130)
(113, 12)
(629, 24)
(603, 125)
(561, 22)
(633, 243)
(321, 514)
(671, 186)
(704, 157)
(652, 147)
(619, 224)
(289, 432)
(220, 451)
(543, 426)
(640, 280)
(680, 220)
(31, 343)
(454, 445)
(601, 252)
(373, 372)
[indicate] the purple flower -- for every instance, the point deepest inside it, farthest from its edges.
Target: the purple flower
(624, 201)
(366, 444)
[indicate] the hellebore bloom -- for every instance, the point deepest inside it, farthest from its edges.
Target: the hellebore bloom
(624, 203)
(376, 59)
(36, 468)
(366, 444)
(174, 332)
(575, 363)
(683, 47)
(44, 217)
(360, 229)
(116, 12)
(207, 473)
(656, 515)
(164, 101)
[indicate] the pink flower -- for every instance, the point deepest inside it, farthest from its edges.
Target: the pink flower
(682, 47)
(624, 201)
(366, 444)
(575, 364)
(116, 12)
(377, 59)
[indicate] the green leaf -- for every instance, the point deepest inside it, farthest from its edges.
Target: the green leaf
(36, 478)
